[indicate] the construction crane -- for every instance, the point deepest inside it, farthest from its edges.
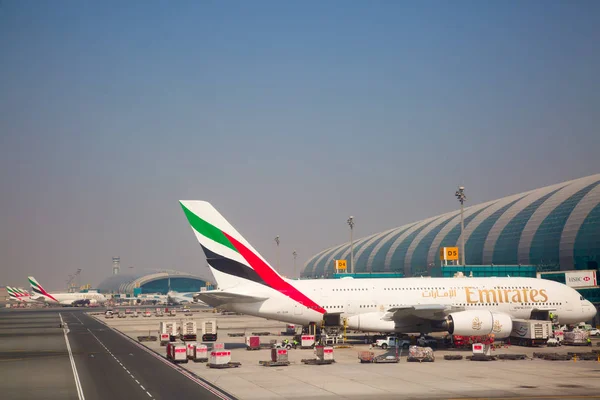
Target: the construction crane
(73, 281)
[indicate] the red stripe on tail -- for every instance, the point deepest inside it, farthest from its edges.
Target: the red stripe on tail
(47, 294)
(271, 278)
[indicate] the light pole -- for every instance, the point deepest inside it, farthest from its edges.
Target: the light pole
(351, 223)
(460, 195)
(277, 254)
(295, 254)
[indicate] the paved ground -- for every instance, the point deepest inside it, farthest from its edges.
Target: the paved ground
(348, 379)
(35, 361)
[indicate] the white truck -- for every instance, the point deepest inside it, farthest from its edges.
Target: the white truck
(589, 329)
(392, 341)
(167, 332)
(188, 330)
(209, 330)
(530, 332)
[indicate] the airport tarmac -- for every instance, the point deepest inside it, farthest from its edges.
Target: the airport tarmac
(91, 362)
(348, 379)
(34, 361)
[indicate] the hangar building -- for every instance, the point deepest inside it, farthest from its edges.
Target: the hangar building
(159, 282)
(554, 227)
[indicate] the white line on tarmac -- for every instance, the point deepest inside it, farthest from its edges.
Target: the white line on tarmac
(182, 371)
(126, 370)
(73, 366)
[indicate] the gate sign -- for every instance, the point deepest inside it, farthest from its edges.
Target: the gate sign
(340, 264)
(581, 278)
(449, 253)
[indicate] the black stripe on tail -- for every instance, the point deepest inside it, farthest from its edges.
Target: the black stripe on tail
(231, 267)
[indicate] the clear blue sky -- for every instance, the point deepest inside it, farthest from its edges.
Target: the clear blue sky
(287, 116)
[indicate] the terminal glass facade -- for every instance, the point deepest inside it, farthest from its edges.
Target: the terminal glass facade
(552, 228)
(523, 271)
(175, 284)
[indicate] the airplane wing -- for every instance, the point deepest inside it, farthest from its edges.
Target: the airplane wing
(435, 312)
(216, 298)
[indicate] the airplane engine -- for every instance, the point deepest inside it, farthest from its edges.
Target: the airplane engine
(370, 322)
(479, 322)
(80, 303)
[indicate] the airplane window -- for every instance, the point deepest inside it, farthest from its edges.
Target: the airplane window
(580, 297)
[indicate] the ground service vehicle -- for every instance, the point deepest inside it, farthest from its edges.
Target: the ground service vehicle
(392, 341)
(589, 329)
(427, 341)
(167, 331)
(529, 332)
(188, 330)
(209, 330)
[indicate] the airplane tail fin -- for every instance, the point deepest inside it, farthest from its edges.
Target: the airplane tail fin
(39, 290)
(11, 293)
(232, 259)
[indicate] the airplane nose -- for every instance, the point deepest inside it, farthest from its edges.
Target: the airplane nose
(589, 310)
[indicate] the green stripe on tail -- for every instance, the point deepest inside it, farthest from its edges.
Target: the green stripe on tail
(206, 229)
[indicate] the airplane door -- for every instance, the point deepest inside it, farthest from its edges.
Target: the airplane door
(350, 307)
(568, 305)
(298, 309)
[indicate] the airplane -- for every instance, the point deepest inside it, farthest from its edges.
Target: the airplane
(66, 299)
(180, 298)
(177, 298)
(20, 295)
(463, 306)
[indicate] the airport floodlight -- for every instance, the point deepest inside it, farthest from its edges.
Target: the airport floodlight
(277, 251)
(460, 194)
(294, 254)
(351, 224)
(461, 197)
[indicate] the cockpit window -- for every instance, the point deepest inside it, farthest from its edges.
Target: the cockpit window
(581, 298)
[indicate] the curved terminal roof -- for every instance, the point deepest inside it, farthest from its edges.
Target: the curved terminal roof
(125, 283)
(557, 225)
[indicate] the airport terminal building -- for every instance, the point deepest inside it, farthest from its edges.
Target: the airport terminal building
(159, 282)
(552, 228)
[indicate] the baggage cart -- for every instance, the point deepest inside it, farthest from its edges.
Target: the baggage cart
(177, 352)
(252, 342)
(200, 353)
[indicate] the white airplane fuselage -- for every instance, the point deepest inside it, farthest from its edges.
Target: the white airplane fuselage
(67, 299)
(364, 301)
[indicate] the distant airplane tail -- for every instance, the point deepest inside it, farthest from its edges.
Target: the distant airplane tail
(39, 290)
(232, 259)
(18, 293)
(12, 293)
